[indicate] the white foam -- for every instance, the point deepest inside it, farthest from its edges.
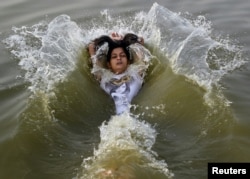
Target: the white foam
(124, 141)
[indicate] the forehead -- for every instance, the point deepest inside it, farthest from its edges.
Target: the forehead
(117, 50)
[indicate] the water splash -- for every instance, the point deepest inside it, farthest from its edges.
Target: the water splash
(125, 147)
(47, 51)
(191, 50)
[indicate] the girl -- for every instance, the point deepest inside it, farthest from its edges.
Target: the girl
(119, 64)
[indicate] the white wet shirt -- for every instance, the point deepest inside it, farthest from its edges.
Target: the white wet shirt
(123, 88)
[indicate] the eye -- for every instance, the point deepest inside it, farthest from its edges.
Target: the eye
(123, 55)
(113, 56)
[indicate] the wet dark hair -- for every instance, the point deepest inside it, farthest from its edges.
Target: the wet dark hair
(101, 40)
(128, 39)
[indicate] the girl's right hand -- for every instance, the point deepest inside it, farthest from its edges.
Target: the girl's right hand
(91, 48)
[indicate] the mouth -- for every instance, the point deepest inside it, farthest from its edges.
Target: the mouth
(119, 63)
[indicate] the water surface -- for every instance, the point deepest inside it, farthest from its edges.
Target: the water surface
(56, 122)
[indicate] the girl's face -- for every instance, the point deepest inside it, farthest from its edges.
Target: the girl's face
(118, 61)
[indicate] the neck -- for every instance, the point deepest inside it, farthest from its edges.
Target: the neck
(118, 72)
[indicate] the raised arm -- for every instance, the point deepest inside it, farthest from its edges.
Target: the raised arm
(91, 49)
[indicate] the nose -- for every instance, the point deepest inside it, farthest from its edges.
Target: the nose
(118, 57)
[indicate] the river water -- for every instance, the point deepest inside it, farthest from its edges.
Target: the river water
(56, 122)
